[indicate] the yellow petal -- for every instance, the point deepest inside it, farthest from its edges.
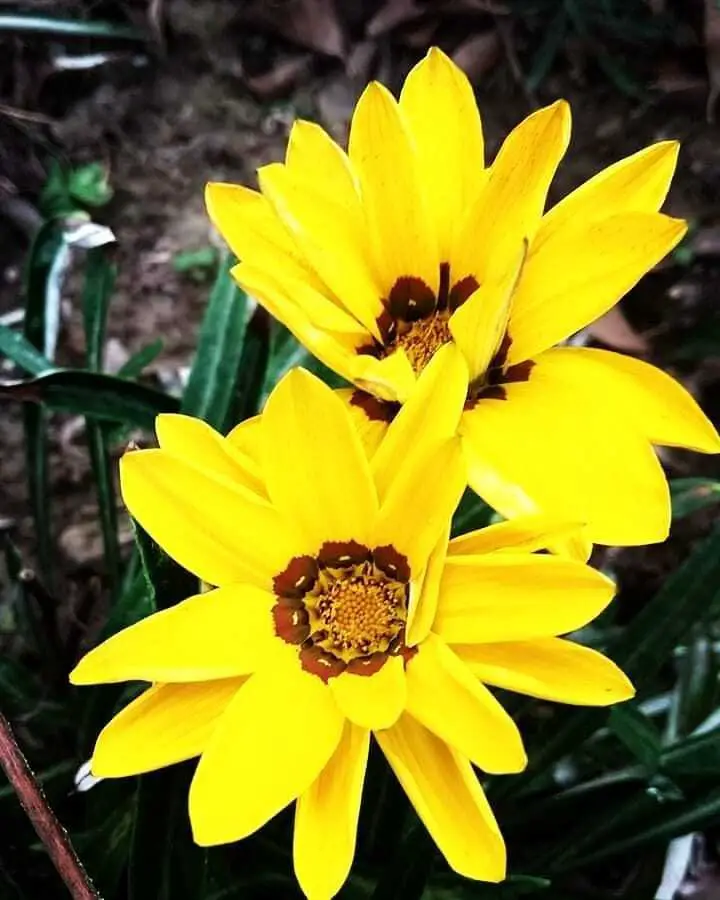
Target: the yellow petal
(551, 669)
(646, 397)
(217, 634)
(218, 530)
(638, 183)
(445, 697)
(382, 155)
(479, 325)
(370, 417)
(326, 818)
(391, 378)
(330, 232)
(575, 461)
(372, 701)
(424, 595)
(196, 442)
(438, 104)
(515, 597)
(313, 156)
(315, 466)
(420, 501)
(577, 275)
(166, 724)
(254, 232)
(511, 205)
(276, 736)
(303, 310)
(443, 789)
(529, 533)
(429, 416)
(247, 439)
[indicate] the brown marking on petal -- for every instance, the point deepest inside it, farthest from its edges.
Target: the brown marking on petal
(387, 326)
(375, 409)
(297, 579)
(501, 354)
(319, 662)
(373, 349)
(410, 299)
(461, 290)
(392, 563)
(367, 665)
(341, 554)
(407, 653)
(518, 373)
(444, 286)
(291, 623)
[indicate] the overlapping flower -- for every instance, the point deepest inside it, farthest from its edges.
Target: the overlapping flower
(376, 258)
(340, 611)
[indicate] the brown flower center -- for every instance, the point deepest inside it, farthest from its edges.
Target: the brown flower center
(345, 608)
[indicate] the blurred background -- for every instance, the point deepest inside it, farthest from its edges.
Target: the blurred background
(114, 114)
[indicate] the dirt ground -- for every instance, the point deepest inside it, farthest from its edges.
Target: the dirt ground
(167, 123)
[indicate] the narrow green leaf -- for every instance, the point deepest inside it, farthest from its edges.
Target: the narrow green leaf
(169, 582)
(695, 695)
(637, 733)
(89, 185)
(93, 394)
(252, 369)
(99, 283)
(666, 824)
(18, 349)
(214, 373)
(140, 360)
(101, 463)
(691, 494)
(36, 462)
(697, 757)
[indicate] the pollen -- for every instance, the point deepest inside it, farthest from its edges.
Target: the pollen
(423, 337)
(361, 614)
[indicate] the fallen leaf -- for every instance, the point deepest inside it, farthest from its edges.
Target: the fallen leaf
(393, 14)
(614, 330)
(712, 55)
(283, 76)
(314, 24)
(478, 54)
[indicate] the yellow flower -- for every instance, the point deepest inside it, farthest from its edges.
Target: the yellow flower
(377, 257)
(340, 610)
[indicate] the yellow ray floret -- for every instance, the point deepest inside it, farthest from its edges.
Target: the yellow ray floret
(341, 612)
(377, 257)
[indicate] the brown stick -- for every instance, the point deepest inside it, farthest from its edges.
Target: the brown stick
(49, 830)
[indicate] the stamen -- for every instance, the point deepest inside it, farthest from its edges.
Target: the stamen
(421, 339)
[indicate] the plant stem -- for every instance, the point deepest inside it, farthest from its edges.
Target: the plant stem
(49, 830)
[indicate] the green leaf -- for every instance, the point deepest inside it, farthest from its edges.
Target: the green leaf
(89, 185)
(637, 733)
(206, 258)
(691, 494)
(252, 370)
(140, 360)
(36, 463)
(695, 695)
(18, 349)
(472, 513)
(99, 283)
(214, 373)
(664, 825)
(164, 862)
(101, 463)
(697, 756)
(169, 582)
(93, 394)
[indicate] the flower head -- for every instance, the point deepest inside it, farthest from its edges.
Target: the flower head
(340, 611)
(376, 258)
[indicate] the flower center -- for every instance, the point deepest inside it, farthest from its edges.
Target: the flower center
(421, 339)
(415, 318)
(345, 608)
(361, 613)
